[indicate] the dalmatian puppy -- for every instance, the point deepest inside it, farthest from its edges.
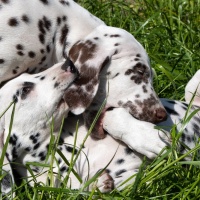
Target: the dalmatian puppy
(30, 136)
(177, 111)
(25, 140)
(125, 81)
(61, 28)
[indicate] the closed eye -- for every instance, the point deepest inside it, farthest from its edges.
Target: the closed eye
(26, 89)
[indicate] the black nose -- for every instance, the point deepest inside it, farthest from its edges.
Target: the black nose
(69, 65)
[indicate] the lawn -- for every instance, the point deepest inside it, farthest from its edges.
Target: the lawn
(169, 30)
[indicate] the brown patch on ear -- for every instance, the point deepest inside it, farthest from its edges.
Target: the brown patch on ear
(87, 74)
(86, 59)
(83, 51)
(76, 98)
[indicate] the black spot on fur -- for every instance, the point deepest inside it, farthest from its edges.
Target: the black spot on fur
(115, 75)
(128, 151)
(36, 169)
(70, 133)
(56, 84)
(36, 146)
(116, 52)
(64, 32)
(13, 139)
(138, 55)
(120, 161)
(188, 138)
(41, 26)
(33, 155)
(171, 111)
(20, 53)
(2, 61)
(61, 148)
(144, 89)
(115, 35)
(42, 60)
(61, 141)
(31, 54)
(171, 102)
(13, 22)
(96, 38)
(34, 138)
(118, 173)
(42, 38)
(48, 48)
(14, 71)
(42, 155)
(19, 47)
(45, 2)
(195, 128)
(64, 2)
(137, 96)
(28, 149)
(183, 137)
(64, 18)
(70, 149)
(42, 51)
(63, 169)
(25, 19)
(14, 153)
(58, 21)
(1, 38)
(47, 23)
(107, 171)
(5, 1)
(15, 99)
(42, 78)
(59, 160)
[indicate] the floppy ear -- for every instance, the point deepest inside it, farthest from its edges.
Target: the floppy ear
(89, 57)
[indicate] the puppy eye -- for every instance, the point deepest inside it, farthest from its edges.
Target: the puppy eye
(25, 91)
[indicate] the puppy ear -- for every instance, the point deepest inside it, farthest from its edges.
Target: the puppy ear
(89, 58)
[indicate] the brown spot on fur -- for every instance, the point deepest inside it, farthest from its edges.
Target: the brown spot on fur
(89, 87)
(144, 89)
(64, 32)
(147, 112)
(87, 74)
(139, 73)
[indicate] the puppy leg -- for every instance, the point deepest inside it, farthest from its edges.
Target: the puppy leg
(138, 135)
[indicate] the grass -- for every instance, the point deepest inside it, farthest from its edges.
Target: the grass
(169, 31)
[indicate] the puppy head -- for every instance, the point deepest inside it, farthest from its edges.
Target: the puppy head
(38, 98)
